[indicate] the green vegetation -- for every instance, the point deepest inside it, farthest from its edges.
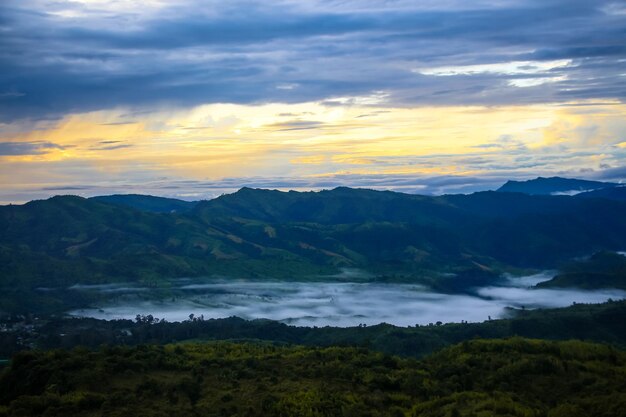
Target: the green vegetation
(148, 203)
(601, 270)
(516, 377)
(604, 323)
(53, 244)
(234, 367)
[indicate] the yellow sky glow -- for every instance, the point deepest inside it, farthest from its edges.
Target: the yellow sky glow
(311, 139)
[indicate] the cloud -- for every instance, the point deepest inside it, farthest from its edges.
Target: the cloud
(27, 148)
(297, 125)
(62, 57)
(617, 174)
(111, 147)
(504, 68)
(341, 304)
(118, 123)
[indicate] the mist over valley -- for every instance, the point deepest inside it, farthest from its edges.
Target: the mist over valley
(341, 304)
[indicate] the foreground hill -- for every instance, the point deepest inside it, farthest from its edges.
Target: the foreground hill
(516, 377)
(63, 241)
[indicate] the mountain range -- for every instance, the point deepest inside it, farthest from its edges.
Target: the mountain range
(261, 234)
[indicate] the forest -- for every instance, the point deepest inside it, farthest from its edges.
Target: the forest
(512, 377)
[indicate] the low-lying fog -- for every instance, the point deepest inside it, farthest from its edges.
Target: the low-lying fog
(338, 304)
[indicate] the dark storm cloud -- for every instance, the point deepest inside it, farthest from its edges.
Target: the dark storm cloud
(252, 52)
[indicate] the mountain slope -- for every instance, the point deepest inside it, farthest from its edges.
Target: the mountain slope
(513, 228)
(148, 203)
(270, 234)
(338, 206)
(111, 242)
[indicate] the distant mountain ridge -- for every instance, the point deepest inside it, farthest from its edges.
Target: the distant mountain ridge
(262, 234)
(148, 203)
(537, 186)
(554, 186)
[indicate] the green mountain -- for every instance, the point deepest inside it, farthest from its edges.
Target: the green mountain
(148, 203)
(553, 185)
(69, 239)
(412, 231)
(291, 235)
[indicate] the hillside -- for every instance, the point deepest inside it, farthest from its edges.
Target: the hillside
(56, 243)
(148, 203)
(515, 229)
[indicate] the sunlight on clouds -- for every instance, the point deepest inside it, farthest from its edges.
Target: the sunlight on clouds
(313, 159)
(86, 136)
(350, 160)
(585, 127)
(317, 140)
(392, 171)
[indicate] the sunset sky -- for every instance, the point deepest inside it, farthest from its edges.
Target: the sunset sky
(191, 99)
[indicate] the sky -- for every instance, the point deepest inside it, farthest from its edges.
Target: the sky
(192, 99)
